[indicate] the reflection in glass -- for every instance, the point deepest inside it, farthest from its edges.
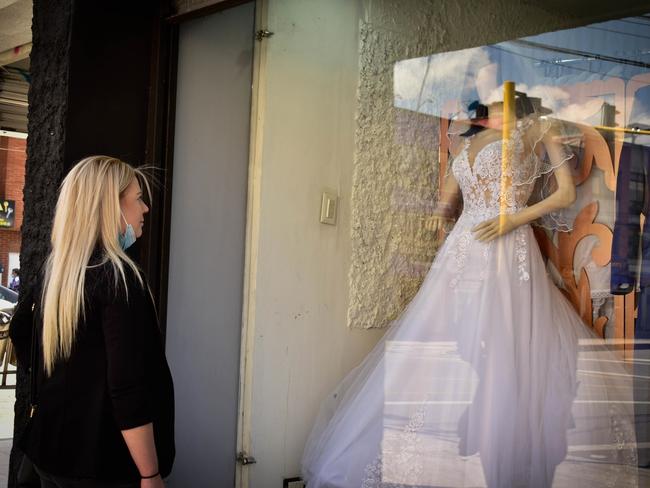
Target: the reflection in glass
(515, 364)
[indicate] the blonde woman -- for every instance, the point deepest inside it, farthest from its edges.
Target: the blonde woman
(103, 413)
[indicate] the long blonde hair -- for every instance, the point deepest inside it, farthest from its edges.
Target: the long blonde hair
(87, 215)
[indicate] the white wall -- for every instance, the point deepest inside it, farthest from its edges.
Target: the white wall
(302, 345)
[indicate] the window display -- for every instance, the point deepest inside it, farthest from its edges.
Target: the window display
(513, 364)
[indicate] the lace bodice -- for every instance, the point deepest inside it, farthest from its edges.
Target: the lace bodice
(493, 185)
(489, 184)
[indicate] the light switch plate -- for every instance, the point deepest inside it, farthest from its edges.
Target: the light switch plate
(329, 208)
(293, 483)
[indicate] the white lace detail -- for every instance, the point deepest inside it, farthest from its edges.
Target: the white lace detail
(458, 249)
(521, 251)
(486, 256)
(490, 188)
(409, 457)
(528, 179)
(626, 453)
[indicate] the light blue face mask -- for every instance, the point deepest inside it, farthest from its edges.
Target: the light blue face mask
(128, 238)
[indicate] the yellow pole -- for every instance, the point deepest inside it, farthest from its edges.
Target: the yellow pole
(509, 120)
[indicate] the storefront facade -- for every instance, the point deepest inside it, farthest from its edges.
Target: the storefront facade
(300, 163)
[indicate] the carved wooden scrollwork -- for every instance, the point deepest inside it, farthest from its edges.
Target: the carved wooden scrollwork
(562, 256)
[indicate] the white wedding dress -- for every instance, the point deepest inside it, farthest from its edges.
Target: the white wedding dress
(488, 377)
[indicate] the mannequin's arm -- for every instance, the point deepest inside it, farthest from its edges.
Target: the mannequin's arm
(446, 204)
(564, 196)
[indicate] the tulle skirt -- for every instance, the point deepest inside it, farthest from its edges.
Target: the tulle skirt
(488, 378)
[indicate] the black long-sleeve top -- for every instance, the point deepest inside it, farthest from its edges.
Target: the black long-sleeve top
(116, 378)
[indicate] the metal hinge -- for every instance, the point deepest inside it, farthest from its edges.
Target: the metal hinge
(244, 459)
(262, 33)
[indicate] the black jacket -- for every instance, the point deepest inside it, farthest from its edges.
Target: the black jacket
(116, 378)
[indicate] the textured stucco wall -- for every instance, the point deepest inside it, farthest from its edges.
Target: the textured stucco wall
(394, 175)
(301, 345)
(396, 160)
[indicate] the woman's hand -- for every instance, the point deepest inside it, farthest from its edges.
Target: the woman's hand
(156, 482)
(491, 229)
(436, 222)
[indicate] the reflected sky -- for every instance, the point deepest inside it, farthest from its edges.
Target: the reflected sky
(573, 71)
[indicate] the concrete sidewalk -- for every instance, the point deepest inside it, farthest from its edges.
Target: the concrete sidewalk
(5, 450)
(7, 398)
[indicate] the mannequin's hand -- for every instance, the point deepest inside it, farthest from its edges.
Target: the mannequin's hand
(156, 482)
(436, 222)
(493, 228)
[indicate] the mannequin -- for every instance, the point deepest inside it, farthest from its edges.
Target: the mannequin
(489, 230)
(476, 382)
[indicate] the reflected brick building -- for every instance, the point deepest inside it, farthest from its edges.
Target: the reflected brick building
(12, 180)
